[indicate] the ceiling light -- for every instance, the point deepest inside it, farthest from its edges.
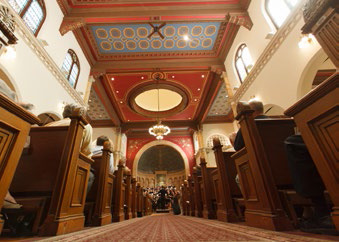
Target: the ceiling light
(195, 99)
(142, 78)
(117, 91)
(189, 118)
(112, 78)
(186, 37)
(198, 89)
(121, 101)
(202, 76)
(173, 76)
(159, 130)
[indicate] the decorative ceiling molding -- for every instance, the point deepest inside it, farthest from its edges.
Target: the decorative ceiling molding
(220, 105)
(269, 51)
(36, 46)
(96, 110)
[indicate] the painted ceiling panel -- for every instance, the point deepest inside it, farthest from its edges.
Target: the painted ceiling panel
(133, 37)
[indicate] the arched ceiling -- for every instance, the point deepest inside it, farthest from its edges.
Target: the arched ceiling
(161, 158)
(115, 38)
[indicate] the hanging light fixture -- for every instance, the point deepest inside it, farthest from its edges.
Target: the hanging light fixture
(159, 130)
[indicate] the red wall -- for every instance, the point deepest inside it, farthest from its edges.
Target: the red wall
(185, 142)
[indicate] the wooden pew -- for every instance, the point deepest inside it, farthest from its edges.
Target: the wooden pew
(128, 193)
(316, 114)
(53, 166)
(184, 199)
(190, 183)
(208, 194)
(197, 192)
(263, 168)
(15, 123)
(227, 188)
(102, 189)
(119, 194)
(134, 198)
(147, 202)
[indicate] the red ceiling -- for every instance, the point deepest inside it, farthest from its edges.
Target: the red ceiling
(120, 85)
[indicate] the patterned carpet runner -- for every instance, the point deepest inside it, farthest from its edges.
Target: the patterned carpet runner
(167, 227)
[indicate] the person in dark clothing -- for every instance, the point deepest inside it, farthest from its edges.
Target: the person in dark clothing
(258, 113)
(308, 183)
(163, 192)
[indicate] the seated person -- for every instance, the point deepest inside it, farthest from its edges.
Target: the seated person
(308, 183)
(87, 134)
(97, 150)
(258, 113)
(86, 147)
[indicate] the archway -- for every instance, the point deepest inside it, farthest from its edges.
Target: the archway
(6, 77)
(273, 110)
(319, 61)
(48, 117)
(155, 143)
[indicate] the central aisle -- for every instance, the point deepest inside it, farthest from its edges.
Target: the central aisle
(166, 227)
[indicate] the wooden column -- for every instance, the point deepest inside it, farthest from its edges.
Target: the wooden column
(197, 194)
(316, 114)
(226, 211)
(208, 211)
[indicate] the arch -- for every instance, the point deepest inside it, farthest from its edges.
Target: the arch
(309, 72)
(48, 117)
(71, 68)
(9, 80)
(224, 140)
(243, 62)
(273, 110)
(155, 143)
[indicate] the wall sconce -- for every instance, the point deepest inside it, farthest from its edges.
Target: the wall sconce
(254, 98)
(9, 52)
(306, 40)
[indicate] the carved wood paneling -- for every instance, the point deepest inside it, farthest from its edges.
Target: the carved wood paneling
(79, 187)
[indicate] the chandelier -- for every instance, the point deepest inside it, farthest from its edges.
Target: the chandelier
(159, 130)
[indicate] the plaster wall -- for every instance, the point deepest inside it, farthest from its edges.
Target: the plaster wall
(278, 81)
(109, 132)
(33, 81)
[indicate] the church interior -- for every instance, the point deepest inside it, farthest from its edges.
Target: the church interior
(169, 120)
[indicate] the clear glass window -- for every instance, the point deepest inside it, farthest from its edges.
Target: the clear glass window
(32, 12)
(279, 10)
(243, 62)
(71, 67)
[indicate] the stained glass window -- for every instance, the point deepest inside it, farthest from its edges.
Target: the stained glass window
(71, 67)
(32, 12)
(278, 10)
(243, 62)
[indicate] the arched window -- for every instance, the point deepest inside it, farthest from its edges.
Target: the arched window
(33, 12)
(71, 68)
(243, 62)
(278, 10)
(224, 141)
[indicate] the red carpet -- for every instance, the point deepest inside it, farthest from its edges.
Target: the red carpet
(166, 227)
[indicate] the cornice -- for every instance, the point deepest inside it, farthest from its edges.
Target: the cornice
(270, 50)
(42, 54)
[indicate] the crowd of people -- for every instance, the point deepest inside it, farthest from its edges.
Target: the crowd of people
(164, 198)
